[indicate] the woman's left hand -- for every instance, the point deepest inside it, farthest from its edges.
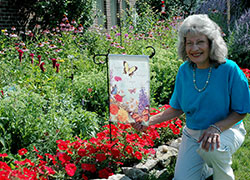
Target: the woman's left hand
(210, 138)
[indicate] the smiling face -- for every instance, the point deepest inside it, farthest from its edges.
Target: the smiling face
(197, 49)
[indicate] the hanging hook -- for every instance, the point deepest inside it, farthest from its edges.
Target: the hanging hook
(106, 55)
(152, 55)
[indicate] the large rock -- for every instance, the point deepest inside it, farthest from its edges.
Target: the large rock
(119, 177)
(175, 143)
(164, 154)
(148, 165)
(116, 177)
(134, 173)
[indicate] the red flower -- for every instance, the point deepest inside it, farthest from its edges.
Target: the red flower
(20, 55)
(178, 123)
(138, 155)
(62, 145)
(90, 90)
(89, 167)
(42, 66)
(176, 131)
(64, 158)
(53, 62)
(35, 149)
(118, 98)
(32, 57)
(22, 151)
(114, 109)
(2, 93)
(3, 155)
(91, 149)
(50, 170)
(57, 67)
(82, 152)
(4, 166)
(70, 169)
(39, 156)
(84, 177)
(129, 150)
(4, 175)
(100, 157)
(39, 59)
(105, 173)
(172, 126)
(116, 153)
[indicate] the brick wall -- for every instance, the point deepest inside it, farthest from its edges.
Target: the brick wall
(8, 15)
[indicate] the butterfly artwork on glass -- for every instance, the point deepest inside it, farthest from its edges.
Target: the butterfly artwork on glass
(129, 88)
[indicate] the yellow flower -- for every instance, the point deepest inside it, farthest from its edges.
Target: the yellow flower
(61, 60)
(4, 30)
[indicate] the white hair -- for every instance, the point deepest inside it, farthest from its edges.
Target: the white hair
(201, 23)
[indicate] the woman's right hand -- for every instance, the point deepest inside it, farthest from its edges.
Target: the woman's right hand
(138, 126)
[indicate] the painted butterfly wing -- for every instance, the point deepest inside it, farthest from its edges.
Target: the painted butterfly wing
(132, 70)
(132, 90)
(126, 68)
(135, 116)
(114, 90)
(145, 118)
(145, 112)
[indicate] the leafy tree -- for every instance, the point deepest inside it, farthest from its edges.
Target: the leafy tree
(48, 13)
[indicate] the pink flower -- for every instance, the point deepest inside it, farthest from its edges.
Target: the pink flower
(70, 169)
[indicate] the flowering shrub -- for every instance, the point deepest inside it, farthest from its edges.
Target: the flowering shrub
(99, 156)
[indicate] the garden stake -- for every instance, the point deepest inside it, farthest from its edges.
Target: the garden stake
(98, 63)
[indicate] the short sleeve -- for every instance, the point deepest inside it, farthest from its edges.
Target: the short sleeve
(174, 101)
(239, 91)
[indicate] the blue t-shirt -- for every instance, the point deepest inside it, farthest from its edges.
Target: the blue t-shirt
(227, 91)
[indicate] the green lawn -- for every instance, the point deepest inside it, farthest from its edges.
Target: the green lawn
(241, 159)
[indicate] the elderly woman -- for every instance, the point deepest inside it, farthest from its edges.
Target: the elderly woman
(214, 94)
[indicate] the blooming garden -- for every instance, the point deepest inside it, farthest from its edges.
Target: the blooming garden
(54, 100)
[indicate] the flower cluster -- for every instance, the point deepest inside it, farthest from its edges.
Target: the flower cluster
(100, 156)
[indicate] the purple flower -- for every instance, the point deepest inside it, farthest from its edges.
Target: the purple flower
(117, 34)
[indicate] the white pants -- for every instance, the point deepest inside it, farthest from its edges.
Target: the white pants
(193, 163)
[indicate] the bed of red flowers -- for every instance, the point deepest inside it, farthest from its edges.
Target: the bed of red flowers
(98, 157)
